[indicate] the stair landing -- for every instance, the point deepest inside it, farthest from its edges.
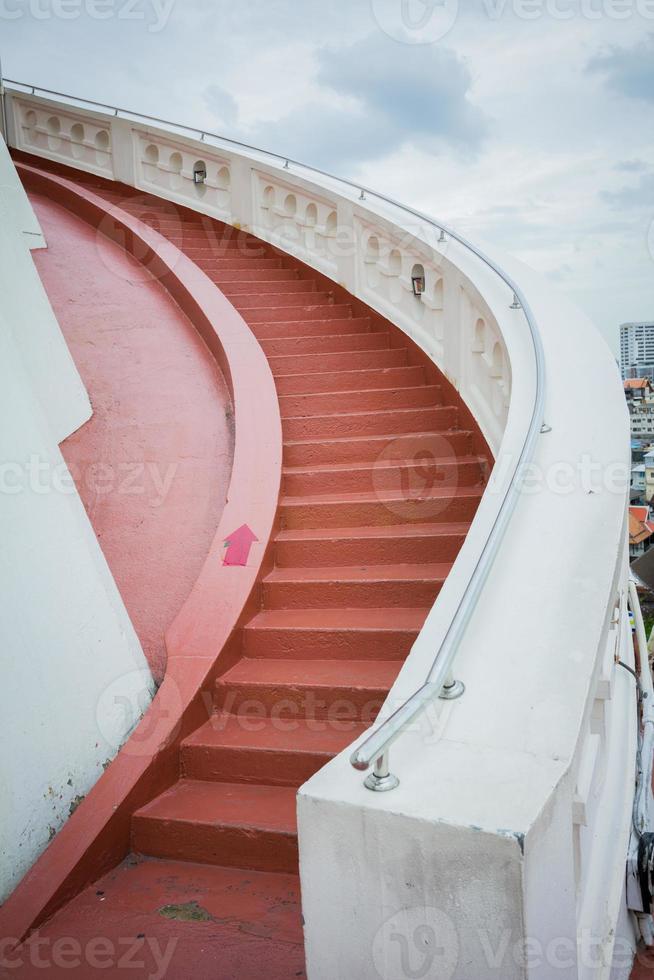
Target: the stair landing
(174, 920)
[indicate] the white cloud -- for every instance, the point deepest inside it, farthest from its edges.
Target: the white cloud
(561, 176)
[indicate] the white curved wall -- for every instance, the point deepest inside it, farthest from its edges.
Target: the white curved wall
(511, 821)
(73, 677)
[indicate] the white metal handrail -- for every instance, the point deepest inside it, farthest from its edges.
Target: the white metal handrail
(439, 683)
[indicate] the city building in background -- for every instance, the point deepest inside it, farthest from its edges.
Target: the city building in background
(637, 350)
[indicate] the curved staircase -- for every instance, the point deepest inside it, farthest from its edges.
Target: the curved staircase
(383, 472)
(354, 576)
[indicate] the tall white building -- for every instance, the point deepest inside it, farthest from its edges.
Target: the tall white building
(637, 350)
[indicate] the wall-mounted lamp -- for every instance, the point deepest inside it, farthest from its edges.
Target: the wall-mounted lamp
(418, 283)
(418, 279)
(199, 173)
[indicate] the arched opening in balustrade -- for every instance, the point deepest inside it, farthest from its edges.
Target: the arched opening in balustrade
(290, 205)
(311, 215)
(479, 339)
(223, 178)
(372, 250)
(395, 262)
(497, 361)
(152, 154)
(269, 197)
(77, 140)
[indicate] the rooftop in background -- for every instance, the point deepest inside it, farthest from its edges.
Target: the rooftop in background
(639, 527)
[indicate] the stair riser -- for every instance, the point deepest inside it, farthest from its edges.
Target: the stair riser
(360, 401)
(400, 377)
(209, 242)
(268, 288)
(172, 225)
(279, 644)
(332, 705)
(319, 553)
(375, 423)
(245, 277)
(231, 847)
(310, 328)
(206, 247)
(268, 301)
(327, 344)
(349, 595)
(249, 765)
(281, 314)
(361, 450)
(378, 513)
(317, 363)
(240, 263)
(411, 477)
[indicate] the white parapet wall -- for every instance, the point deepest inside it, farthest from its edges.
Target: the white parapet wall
(502, 853)
(74, 679)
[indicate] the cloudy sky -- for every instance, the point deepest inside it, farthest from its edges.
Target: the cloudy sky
(527, 123)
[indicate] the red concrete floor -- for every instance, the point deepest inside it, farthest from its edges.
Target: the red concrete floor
(157, 919)
(644, 965)
(152, 465)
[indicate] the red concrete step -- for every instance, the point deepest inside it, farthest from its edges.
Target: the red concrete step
(165, 222)
(413, 476)
(239, 749)
(317, 363)
(228, 824)
(369, 423)
(334, 690)
(310, 452)
(354, 586)
(333, 634)
(261, 300)
(323, 343)
(379, 509)
(409, 543)
(269, 286)
(240, 262)
(368, 379)
(210, 238)
(215, 251)
(311, 328)
(367, 399)
(174, 219)
(307, 311)
(246, 276)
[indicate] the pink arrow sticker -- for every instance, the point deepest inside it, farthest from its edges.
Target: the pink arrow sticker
(238, 546)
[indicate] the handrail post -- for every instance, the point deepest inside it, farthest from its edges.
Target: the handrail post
(381, 779)
(452, 689)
